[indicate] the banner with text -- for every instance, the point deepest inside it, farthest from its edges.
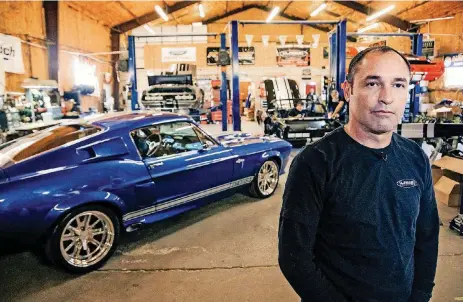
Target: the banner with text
(11, 52)
(293, 56)
(178, 54)
(246, 55)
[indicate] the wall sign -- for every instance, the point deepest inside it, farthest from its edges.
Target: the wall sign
(178, 54)
(453, 75)
(293, 56)
(428, 48)
(454, 60)
(11, 53)
(246, 55)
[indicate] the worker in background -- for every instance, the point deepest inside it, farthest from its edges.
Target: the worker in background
(359, 219)
(336, 106)
(311, 99)
(297, 111)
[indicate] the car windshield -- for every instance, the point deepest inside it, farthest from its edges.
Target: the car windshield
(42, 141)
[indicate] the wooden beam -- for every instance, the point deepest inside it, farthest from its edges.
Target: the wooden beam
(128, 10)
(51, 29)
(333, 14)
(286, 7)
(230, 13)
(134, 23)
(115, 46)
(366, 10)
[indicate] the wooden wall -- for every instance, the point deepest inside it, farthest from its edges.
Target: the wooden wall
(25, 20)
(444, 45)
(79, 33)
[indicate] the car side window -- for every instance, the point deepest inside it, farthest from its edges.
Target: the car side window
(166, 139)
(206, 140)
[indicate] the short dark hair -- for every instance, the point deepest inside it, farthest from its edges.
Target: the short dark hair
(299, 103)
(359, 57)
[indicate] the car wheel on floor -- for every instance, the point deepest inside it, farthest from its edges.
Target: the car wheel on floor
(84, 239)
(266, 180)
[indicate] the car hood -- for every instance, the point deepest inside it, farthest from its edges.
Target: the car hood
(240, 139)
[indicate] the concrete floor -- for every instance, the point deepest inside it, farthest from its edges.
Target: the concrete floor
(226, 251)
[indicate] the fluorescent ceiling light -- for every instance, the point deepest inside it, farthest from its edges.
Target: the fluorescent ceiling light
(148, 28)
(161, 13)
(432, 19)
(381, 12)
(201, 11)
(273, 13)
(197, 24)
(318, 10)
(371, 26)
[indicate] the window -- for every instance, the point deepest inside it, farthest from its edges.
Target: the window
(36, 143)
(168, 139)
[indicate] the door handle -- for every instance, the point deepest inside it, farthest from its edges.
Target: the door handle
(156, 165)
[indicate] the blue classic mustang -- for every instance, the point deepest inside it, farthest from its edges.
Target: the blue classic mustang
(75, 187)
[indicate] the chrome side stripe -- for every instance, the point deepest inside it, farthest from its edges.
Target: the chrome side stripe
(182, 200)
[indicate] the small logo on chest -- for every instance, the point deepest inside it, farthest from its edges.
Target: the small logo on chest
(407, 183)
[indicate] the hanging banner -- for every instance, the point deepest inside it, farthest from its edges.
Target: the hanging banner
(453, 60)
(282, 40)
(11, 52)
(178, 54)
(293, 56)
(428, 48)
(300, 39)
(2, 78)
(246, 55)
(249, 39)
(265, 40)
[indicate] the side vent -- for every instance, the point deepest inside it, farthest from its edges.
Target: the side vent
(103, 150)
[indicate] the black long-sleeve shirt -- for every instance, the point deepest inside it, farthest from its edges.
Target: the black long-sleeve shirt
(359, 224)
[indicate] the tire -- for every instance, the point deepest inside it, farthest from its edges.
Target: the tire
(258, 191)
(102, 220)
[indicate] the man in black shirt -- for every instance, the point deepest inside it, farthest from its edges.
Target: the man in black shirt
(296, 111)
(359, 220)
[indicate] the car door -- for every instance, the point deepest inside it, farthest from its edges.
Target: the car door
(182, 168)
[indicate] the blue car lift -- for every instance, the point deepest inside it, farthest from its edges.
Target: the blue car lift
(337, 63)
(133, 63)
(417, 50)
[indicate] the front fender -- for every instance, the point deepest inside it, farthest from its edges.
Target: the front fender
(275, 154)
(112, 200)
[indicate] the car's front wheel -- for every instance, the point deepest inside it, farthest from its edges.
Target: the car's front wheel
(84, 239)
(266, 180)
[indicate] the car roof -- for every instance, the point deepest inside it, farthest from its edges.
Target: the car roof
(137, 119)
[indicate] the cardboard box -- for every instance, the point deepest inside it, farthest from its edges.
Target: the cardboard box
(437, 173)
(447, 187)
(448, 191)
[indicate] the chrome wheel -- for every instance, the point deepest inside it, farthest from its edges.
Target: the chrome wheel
(267, 179)
(87, 238)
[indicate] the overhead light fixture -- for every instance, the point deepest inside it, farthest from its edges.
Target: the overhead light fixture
(381, 12)
(364, 29)
(148, 28)
(318, 10)
(432, 19)
(161, 13)
(201, 11)
(195, 24)
(273, 13)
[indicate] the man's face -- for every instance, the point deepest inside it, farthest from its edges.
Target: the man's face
(312, 91)
(379, 92)
(299, 107)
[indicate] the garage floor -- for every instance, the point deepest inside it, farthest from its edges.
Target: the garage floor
(226, 251)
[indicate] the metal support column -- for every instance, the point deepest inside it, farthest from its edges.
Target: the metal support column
(133, 73)
(115, 46)
(333, 57)
(223, 86)
(341, 38)
(417, 49)
(235, 79)
(417, 44)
